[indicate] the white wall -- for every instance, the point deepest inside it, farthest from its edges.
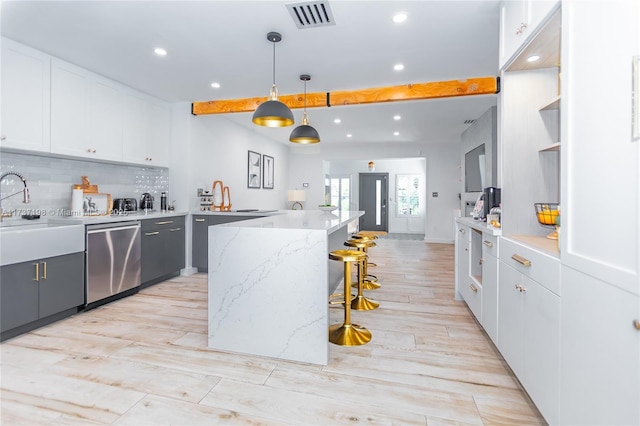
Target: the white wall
(210, 147)
(394, 167)
(442, 165)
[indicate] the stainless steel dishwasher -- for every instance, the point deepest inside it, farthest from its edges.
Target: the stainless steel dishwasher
(113, 260)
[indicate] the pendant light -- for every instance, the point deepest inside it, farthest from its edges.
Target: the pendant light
(273, 113)
(304, 133)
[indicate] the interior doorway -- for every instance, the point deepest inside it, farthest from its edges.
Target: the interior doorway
(374, 199)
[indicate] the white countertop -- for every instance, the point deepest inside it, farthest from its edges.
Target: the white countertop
(479, 225)
(256, 213)
(139, 215)
(300, 219)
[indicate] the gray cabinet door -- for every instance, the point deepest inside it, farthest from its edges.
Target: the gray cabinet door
(62, 287)
(40, 288)
(18, 295)
(162, 246)
(199, 239)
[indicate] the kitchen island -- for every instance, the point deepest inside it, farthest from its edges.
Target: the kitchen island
(269, 283)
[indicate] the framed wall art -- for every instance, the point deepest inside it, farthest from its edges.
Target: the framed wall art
(96, 204)
(267, 172)
(254, 169)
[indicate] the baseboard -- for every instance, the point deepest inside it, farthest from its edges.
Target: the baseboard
(185, 272)
(438, 240)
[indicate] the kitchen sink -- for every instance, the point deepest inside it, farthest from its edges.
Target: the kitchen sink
(22, 242)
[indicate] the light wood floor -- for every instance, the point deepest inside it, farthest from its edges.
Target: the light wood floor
(144, 360)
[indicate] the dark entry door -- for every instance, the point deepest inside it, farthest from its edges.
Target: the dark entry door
(374, 195)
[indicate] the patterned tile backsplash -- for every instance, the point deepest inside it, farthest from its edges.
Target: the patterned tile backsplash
(50, 180)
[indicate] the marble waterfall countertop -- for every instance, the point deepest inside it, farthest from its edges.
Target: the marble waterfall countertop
(139, 215)
(269, 283)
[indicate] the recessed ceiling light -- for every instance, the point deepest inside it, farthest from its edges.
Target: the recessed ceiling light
(533, 58)
(337, 121)
(349, 135)
(399, 17)
(398, 67)
(396, 133)
(160, 51)
(215, 85)
(396, 117)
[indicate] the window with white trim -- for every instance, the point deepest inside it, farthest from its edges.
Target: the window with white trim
(408, 195)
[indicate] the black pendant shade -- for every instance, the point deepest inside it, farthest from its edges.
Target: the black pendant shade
(304, 133)
(273, 113)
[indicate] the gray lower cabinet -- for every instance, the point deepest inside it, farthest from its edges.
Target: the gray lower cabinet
(162, 248)
(200, 236)
(34, 290)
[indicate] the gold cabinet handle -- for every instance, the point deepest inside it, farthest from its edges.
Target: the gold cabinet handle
(520, 288)
(175, 229)
(166, 222)
(200, 220)
(521, 260)
(473, 288)
(44, 270)
(487, 243)
(636, 324)
(481, 260)
(37, 278)
(152, 233)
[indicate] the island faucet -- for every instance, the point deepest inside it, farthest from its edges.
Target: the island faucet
(25, 192)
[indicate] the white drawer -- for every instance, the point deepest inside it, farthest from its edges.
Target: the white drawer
(489, 245)
(463, 233)
(472, 293)
(532, 263)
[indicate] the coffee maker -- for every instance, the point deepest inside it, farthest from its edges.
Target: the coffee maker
(491, 199)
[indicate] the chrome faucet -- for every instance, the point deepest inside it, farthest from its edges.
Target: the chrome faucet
(25, 192)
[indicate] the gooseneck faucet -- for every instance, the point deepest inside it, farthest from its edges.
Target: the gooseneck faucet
(25, 192)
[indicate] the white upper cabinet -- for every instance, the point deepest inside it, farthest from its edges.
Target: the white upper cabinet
(86, 114)
(519, 21)
(147, 131)
(52, 106)
(25, 98)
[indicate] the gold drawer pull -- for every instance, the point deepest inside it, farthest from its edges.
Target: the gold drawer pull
(44, 270)
(152, 233)
(487, 243)
(521, 260)
(200, 220)
(473, 288)
(175, 229)
(636, 324)
(481, 260)
(37, 278)
(520, 288)
(166, 222)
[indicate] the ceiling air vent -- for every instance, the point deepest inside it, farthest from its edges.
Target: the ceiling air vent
(469, 121)
(311, 14)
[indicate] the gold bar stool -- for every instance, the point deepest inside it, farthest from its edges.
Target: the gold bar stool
(368, 280)
(368, 235)
(347, 334)
(361, 303)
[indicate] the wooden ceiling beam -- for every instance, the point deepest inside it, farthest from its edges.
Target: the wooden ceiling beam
(406, 92)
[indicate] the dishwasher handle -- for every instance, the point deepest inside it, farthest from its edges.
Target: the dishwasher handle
(119, 228)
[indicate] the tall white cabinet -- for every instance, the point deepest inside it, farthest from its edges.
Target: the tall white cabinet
(600, 352)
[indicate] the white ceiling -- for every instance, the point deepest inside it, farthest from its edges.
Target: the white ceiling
(225, 41)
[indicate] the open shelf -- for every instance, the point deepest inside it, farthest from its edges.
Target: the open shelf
(552, 105)
(552, 147)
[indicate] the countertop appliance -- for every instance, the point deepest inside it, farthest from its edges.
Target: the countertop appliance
(112, 260)
(146, 202)
(492, 197)
(122, 205)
